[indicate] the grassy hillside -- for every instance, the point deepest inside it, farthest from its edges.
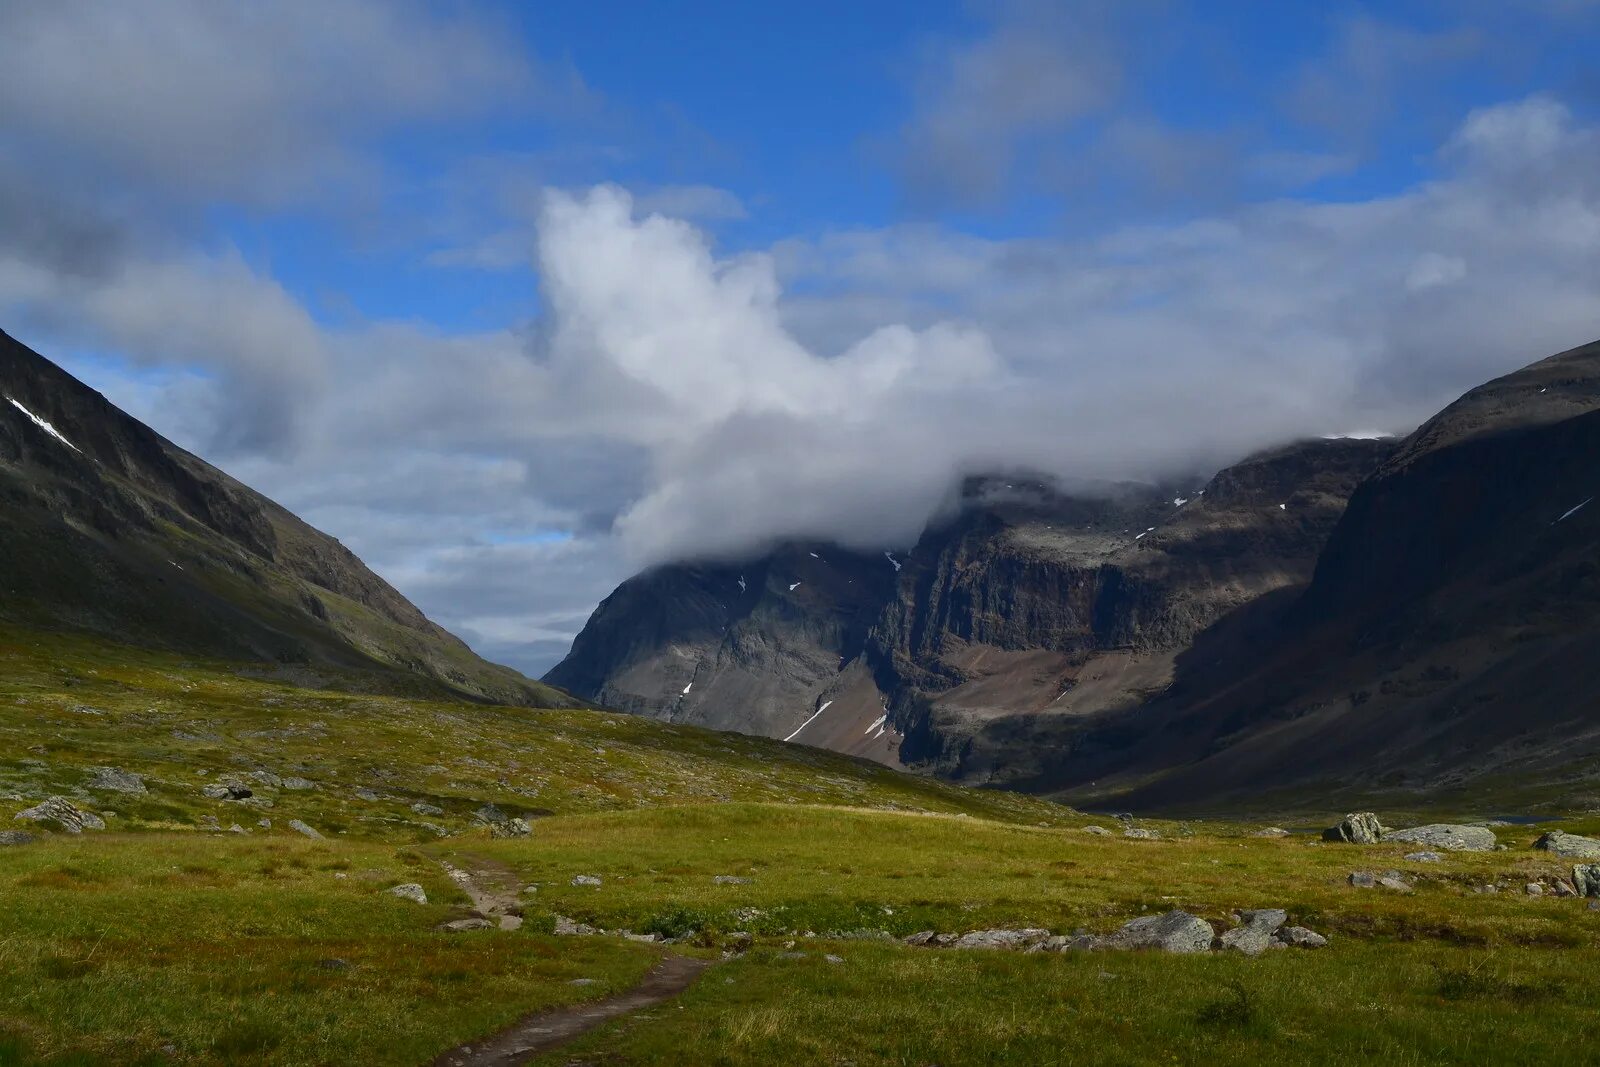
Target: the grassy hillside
(166, 939)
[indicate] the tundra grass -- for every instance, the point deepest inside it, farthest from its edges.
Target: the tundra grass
(183, 949)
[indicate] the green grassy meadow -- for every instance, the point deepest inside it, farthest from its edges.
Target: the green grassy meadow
(167, 939)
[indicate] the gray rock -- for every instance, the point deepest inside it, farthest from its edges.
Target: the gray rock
(1356, 828)
(833, 959)
(921, 938)
(944, 940)
(1271, 831)
(226, 791)
(298, 785)
(1452, 837)
(512, 827)
(1569, 845)
(301, 828)
(1424, 857)
(1176, 931)
(363, 793)
(16, 837)
(1140, 834)
(113, 780)
(565, 927)
(422, 807)
(1586, 879)
(583, 981)
(1363, 879)
(266, 778)
(1255, 933)
(1563, 888)
(1395, 882)
(64, 813)
(729, 879)
(1098, 831)
(1533, 889)
(791, 955)
(1300, 937)
(586, 879)
(456, 926)
(1001, 939)
(409, 891)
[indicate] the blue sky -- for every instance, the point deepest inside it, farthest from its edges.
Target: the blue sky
(517, 298)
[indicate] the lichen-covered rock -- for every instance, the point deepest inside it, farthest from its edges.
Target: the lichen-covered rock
(16, 837)
(409, 891)
(1363, 879)
(1586, 879)
(226, 791)
(1176, 931)
(1255, 932)
(1271, 831)
(512, 827)
(1001, 939)
(112, 780)
(1300, 937)
(1424, 857)
(422, 807)
(1141, 834)
(65, 814)
(1570, 845)
(921, 939)
(301, 828)
(456, 926)
(586, 879)
(1451, 837)
(1356, 828)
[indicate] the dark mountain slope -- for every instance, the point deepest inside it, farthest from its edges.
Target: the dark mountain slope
(1450, 636)
(1029, 604)
(106, 526)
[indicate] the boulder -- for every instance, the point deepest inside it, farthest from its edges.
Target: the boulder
(565, 927)
(1363, 879)
(1176, 931)
(16, 837)
(1392, 880)
(512, 827)
(586, 879)
(1098, 831)
(1139, 834)
(226, 791)
(299, 785)
(1271, 831)
(921, 939)
(301, 828)
(1569, 845)
(409, 891)
(1533, 889)
(369, 795)
(1254, 934)
(1452, 837)
(1300, 937)
(1563, 888)
(1001, 939)
(1356, 828)
(112, 780)
(1586, 879)
(64, 813)
(422, 807)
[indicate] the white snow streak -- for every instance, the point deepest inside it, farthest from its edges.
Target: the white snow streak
(877, 723)
(741, 583)
(808, 722)
(793, 587)
(892, 561)
(1572, 512)
(43, 425)
(686, 689)
(1179, 501)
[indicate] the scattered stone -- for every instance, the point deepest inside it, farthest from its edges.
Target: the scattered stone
(1533, 889)
(265, 824)
(833, 959)
(113, 780)
(237, 829)
(267, 778)
(298, 785)
(1176, 931)
(1563, 888)
(1570, 845)
(921, 938)
(791, 955)
(1300, 937)
(1253, 937)
(67, 815)
(456, 926)
(585, 879)
(301, 828)
(1392, 880)
(16, 837)
(1140, 834)
(1271, 831)
(729, 879)
(1363, 879)
(1451, 837)
(944, 940)
(363, 793)
(565, 927)
(226, 791)
(1424, 857)
(1357, 828)
(583, 981)
(1098, 831)
(409, 891)
(422, 807)
(1001, 939)
(1586, 879)
(513, 827)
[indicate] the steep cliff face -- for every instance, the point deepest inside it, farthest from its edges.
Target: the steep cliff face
(111, 528)
(1448, 638)
(1029, 603)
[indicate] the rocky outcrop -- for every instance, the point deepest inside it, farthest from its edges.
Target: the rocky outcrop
(1571, 845)
(1357, 828)
(1449, 836)
(61, 813)
(1176, 931)
(1256, 931)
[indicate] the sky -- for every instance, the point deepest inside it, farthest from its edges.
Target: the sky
(518, 299)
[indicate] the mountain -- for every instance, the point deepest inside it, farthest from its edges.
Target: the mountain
(1448, 641)
(110, 528)
(1025, 601)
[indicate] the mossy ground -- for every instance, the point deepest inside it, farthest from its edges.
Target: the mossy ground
(161, 942)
